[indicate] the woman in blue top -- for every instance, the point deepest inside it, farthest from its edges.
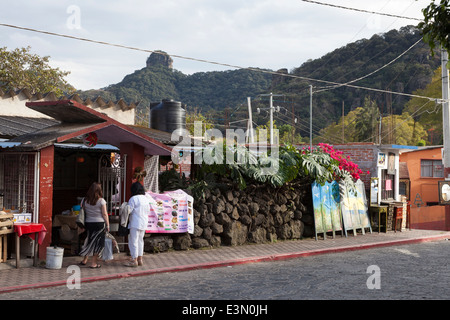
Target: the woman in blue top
(138, 220)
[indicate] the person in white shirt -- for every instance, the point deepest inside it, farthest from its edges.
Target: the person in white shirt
(138, 220)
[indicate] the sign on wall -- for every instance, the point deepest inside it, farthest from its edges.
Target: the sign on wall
(374, 190)
(391, 163)
(444, 192)
(170, 212)
(381, 159)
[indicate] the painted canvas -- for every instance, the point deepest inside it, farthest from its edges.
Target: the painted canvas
(354, 208)
(327, 211)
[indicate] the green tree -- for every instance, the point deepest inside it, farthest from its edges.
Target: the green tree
(402, 130)
(436, 25)
(425, 112)
(333, 133)
(288, 136)
(20, 69)
(195, 115)
(366, 122)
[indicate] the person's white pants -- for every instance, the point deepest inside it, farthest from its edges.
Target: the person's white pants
(136, 242)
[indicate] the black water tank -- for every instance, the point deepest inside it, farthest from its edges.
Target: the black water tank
(168, 116)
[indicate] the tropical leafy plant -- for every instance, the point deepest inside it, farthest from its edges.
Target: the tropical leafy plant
(321, 165)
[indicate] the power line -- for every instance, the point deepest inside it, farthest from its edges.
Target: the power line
(362, 10)
(214, 62)
(367, 44)
(375, 71)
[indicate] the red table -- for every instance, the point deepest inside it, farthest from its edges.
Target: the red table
(35, 231)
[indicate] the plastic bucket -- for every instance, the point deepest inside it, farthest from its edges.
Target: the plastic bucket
(54, 257)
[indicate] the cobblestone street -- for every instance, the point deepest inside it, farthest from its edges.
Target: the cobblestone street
(406, 272)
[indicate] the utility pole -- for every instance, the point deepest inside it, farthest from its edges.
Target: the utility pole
(271, 118)
(343, 126)
(310, 117)
(446, 127)
(379, 130)
(271, 108)
(445, 113)
(250, 121)
(293, 121)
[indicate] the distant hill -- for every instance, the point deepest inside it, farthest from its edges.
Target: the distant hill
(205, 90)
(215, 91)
(412, 71)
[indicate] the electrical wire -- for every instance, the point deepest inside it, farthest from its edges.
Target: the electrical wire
(362, 10)
(407, 118)
(357, 53)
(213, 62)
(375, 71)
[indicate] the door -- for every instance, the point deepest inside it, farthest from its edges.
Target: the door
(112, 177)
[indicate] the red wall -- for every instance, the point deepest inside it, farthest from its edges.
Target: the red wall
(46, 196)
(429, 218)
(135, 158)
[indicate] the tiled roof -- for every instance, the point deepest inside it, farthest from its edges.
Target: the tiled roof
(98, 103)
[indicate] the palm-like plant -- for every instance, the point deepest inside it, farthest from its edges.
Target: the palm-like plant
(318, 165)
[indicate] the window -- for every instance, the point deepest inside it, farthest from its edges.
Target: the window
(403, 188)
(387, 185)
(17, 179)
(431, 169)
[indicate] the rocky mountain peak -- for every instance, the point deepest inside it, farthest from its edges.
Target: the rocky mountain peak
(160, 58)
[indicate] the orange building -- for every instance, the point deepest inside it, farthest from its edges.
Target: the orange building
(425, 169)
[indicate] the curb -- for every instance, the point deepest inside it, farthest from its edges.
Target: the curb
(232, 262)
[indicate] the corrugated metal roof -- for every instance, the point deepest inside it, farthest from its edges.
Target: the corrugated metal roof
(158, 135)
(13, 126)
(99, 146)
(8, 144)
(45, 137)
(51, 96)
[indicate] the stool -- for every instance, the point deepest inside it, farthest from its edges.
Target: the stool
(379, 211)
(398, 215)
(3, 247)
(6, 227)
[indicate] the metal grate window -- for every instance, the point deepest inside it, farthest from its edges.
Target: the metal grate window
(17, 182)
(387, 185)
(112, 177)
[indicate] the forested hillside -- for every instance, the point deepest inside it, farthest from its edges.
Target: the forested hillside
(213, 92)
(409, 73)
(204, 90)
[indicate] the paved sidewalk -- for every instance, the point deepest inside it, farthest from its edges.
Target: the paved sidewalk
(12, 279)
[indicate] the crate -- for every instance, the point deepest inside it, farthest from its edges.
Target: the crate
(6, 223)
(6, 227)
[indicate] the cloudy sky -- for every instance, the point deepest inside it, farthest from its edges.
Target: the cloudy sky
(270, 34)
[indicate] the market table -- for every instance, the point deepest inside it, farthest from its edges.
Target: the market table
(35, 231)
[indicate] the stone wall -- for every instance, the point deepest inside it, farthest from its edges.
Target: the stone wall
(231, 217)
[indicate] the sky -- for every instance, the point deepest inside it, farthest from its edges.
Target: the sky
(269, 34)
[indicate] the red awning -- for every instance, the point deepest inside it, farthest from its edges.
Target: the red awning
(77, 120)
